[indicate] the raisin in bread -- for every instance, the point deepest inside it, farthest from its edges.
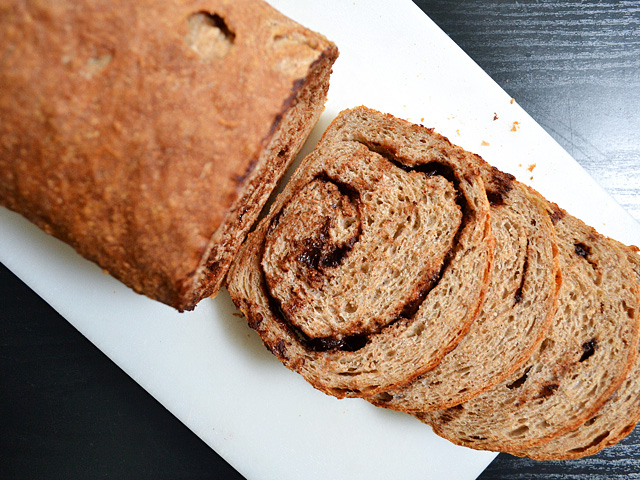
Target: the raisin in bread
(149, 134)
(375, 259)
(518, 310)
(587, 354)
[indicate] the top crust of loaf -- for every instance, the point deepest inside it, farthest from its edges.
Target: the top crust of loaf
(373, 262)
(130, 129)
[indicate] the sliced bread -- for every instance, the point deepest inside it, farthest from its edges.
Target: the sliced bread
(614, 421)
(518, 309)
(373, 262)
(587, 354)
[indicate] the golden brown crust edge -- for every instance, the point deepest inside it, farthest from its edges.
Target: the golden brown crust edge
(129, 144)
(485, 422)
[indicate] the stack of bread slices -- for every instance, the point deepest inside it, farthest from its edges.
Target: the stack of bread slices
(404, 270)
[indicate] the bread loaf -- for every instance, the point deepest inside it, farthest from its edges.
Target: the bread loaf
(518, 309)
(149, 134)
(585, 357)
(373, 262)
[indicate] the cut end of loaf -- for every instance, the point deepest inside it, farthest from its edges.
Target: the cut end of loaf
(291, 128)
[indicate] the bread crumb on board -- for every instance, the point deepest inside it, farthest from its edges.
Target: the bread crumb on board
(515, 126)
(485, 143)
(531, 167)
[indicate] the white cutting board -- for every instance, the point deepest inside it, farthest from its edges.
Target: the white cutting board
(211, 371)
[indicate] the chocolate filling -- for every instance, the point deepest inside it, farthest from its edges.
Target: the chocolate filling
(556, 214)
(588, 349)
(523, 277)
(318, 251)
(520, 381)
(351, 343)
(318, 254)
(412, 306)
(581, 249)
(499, 187)
(548, 390)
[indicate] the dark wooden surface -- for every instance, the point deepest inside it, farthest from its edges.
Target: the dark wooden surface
(66, 411)
(573, 65)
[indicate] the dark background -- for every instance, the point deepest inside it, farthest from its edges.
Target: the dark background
(66, 411)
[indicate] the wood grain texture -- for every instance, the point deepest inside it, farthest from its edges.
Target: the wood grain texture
(575, 67)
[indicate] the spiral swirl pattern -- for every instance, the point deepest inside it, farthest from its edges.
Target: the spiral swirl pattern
(374, 260)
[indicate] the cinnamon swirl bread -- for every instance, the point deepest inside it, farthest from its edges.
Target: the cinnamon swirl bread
(517, 312)
(402, 269)
(614, 421)
(587, 354)
(373, 262)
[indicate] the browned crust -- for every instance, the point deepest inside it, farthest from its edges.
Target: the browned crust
(124, 142)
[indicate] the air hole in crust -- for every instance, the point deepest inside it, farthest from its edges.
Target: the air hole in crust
(519, 432)
(384, 397)
(97, 64)
(209, 36)
(593, 443)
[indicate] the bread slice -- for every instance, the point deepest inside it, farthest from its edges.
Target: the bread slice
(614, 421)
(586, 355)
(517, 313)
(375, 259)
(149, 134)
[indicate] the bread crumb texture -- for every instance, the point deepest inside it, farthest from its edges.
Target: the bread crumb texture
(400, 268)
